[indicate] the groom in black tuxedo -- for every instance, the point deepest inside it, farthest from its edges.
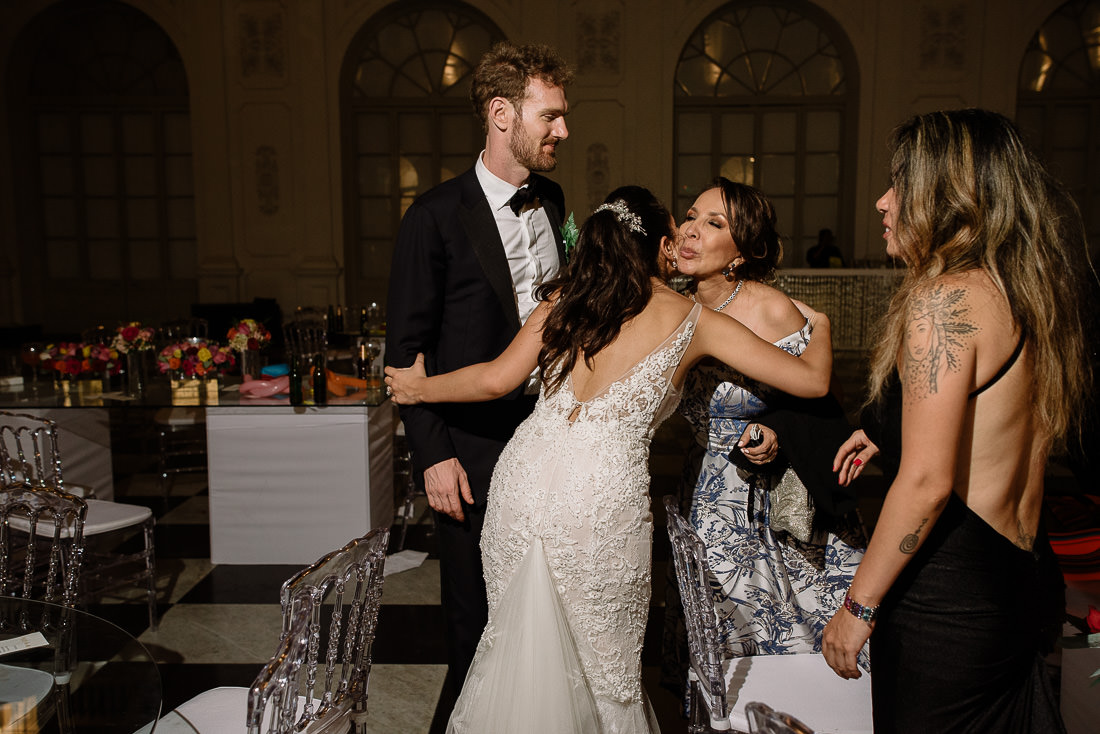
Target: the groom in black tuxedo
(468, 257)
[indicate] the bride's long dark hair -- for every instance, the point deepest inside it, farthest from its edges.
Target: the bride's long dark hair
(605, 284)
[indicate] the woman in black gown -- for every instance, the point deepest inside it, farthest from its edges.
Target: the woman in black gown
(976, 379)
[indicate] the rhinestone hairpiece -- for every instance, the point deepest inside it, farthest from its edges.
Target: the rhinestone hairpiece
(632, 221)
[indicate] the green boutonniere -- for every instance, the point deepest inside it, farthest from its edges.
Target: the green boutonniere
(569, 235)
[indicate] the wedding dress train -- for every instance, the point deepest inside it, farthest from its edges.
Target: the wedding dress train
(566, 549)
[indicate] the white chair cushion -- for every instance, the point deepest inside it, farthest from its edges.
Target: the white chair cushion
(803, 686)
(103, 517)
(215, 711)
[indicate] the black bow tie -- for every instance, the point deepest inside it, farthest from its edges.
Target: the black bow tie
(522, 198)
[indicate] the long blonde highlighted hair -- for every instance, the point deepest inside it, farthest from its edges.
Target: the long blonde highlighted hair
(970, 195)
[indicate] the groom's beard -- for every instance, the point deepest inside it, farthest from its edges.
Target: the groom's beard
(529, 153)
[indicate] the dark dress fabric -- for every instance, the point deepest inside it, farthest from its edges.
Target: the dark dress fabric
(957, 645)
(960, 637)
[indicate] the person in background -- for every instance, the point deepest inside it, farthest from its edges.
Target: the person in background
(980, 372)
(825, 254)
(469, 254)
(775, 591)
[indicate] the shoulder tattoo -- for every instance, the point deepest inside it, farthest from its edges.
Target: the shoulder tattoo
(937, 326)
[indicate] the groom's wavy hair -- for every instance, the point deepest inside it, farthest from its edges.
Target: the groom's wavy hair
(605, 283)
(505, 70)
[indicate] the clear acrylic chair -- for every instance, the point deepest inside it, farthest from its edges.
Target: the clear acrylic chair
(721, 687)
(41, 543)
(31, 458)
(41, 551)
(330, 675)
(763, 719)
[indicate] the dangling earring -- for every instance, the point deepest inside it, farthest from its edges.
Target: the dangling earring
(728, 271)
(675, 264)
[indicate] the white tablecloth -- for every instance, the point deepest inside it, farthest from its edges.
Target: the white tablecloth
(288, 485)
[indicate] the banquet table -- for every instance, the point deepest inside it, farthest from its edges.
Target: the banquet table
(287, 483)
(64, 663)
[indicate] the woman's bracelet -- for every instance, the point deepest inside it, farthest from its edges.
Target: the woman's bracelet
(859, 611)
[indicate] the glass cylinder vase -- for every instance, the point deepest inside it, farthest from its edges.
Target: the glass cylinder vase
(137, 371)
(251, 363)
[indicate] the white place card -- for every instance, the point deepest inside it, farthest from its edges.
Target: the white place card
(26, 642)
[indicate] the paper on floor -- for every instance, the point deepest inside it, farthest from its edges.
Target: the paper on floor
(403, 561)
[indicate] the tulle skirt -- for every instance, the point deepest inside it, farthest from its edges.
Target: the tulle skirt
(527, 674)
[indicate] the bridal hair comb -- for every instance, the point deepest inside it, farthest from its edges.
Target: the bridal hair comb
(631, 220)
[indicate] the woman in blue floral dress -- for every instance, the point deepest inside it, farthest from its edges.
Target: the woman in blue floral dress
(775, 592)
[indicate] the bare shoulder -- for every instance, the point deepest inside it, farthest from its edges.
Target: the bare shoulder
(768, 312)
(666, 309)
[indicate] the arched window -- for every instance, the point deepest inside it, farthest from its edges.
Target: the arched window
(104, 151)
(1059, 103)
(408, 124)
(765, 95)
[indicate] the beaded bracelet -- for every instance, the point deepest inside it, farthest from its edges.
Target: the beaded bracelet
(859, 611)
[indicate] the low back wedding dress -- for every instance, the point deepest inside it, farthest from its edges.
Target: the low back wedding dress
(566, 549)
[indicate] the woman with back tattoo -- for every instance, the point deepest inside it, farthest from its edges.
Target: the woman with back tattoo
(977, 377)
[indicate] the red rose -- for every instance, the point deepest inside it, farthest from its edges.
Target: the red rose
(1092, 619)
(129, 333)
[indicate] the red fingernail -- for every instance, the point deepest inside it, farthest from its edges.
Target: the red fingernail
(857, 462)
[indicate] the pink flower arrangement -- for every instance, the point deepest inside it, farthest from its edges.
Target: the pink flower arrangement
(73, 358)
(248, 334)
(133, 336)
(195, 358)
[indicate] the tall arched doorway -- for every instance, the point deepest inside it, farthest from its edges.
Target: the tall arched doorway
(102, 142)
(765, 95)
(408, 124)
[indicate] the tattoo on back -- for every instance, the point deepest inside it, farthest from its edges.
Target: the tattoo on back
(939, 322)
(909, 543)
(1024, 539)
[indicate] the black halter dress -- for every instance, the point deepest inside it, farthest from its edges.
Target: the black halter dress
(959, 639)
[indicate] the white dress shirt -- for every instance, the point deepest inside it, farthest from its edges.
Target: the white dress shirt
(529, 243)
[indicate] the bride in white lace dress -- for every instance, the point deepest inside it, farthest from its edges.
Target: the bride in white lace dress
(568, 528)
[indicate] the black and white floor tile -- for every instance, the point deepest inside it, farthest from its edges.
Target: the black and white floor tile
(219, 624)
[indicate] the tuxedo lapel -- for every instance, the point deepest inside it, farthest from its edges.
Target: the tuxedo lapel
(554, 214)
(484, 238)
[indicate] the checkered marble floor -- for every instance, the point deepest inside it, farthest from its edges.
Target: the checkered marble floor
(220, 623)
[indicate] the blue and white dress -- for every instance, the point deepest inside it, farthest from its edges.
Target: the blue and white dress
(775, 594)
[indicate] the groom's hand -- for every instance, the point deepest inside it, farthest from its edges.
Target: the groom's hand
(446, 485)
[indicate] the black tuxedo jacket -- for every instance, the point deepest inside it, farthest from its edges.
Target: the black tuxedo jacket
(451, 297)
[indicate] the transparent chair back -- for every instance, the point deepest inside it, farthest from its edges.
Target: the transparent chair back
(763, 719)
(706, 653)
(273, 696)
(29, 456)
(41, 543)
(348, 582)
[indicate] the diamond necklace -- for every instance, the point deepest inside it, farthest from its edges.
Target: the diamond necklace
(736, 290)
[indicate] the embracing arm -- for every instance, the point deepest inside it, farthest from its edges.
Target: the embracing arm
(936, 363)
(476, 382)
(807, 376)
